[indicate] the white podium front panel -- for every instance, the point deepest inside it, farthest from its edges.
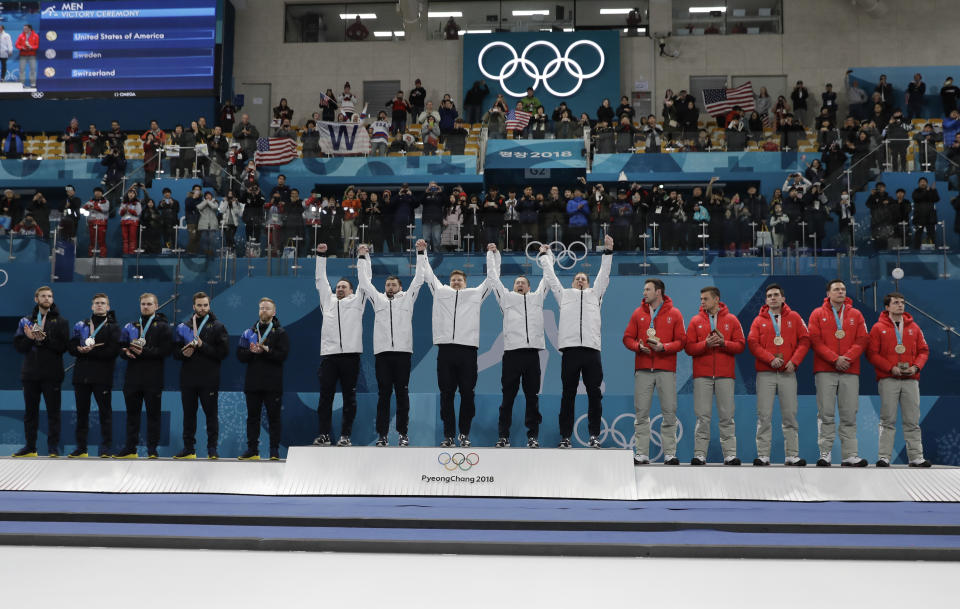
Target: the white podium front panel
(471, 472)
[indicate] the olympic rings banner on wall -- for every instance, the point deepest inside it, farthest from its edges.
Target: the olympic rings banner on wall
(579, 68)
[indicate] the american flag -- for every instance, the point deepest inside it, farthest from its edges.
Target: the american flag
(325, 100)
(767, 123)
(275, 150)
(721, 101)
(517, 120)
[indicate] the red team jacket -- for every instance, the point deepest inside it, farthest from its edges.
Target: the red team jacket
(796, 339)
(883, 342)
(711, 361)
(827, 347)
(669, 327)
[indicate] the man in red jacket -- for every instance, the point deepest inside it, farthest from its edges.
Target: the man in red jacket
(714, 338)
(898, 351)
(779, 341)
(655, 333)
(27, 44)
(838, 336)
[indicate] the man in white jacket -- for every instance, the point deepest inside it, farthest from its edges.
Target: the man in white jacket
(392, 341)
(6, 50)
(579, 341)
(456, 332)
(522, 342)
(341, 342)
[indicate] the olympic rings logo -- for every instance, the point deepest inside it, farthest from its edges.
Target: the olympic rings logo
(626, 440)
(456, 461)
(564, 254)
(553, 66)
(6, 277)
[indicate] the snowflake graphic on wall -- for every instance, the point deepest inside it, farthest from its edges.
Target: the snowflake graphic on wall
(234, 301)
(233, 423)
(948, 447)
(298, 298)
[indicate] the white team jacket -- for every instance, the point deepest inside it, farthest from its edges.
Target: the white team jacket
(580, 309)
(393, 317)
(456, 313)
(522, 313)
(342, 330)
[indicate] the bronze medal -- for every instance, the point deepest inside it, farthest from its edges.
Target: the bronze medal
(900, 349)
(778, 340)
(840, 334)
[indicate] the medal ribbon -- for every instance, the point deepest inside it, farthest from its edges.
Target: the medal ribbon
(713, 322)
(896, 328)
(146, 328)
(838, 318)
(776, 324)
(196, 330)
(653, 313)
(40, 319)
(93, 333)
(261, 338)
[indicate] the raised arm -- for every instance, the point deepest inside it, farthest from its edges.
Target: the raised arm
(365, 273)
(423, 264)
(606, 261)
(546, 263)
(493, 273)
(323, 286)
(414, 289)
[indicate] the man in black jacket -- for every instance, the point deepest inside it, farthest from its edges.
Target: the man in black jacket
(144, 343)
(42, 338)
(201, 344)
(924, 212)
(264, 347)
(95, 343)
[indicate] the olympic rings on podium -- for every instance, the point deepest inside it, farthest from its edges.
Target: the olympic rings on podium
(460, 461)
(564, 254)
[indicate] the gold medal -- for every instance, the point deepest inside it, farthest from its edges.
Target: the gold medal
(651, 332)
(778, 340)
(900, 349)
(840, 334)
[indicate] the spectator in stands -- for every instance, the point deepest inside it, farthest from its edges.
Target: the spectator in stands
(790, 133)
(846, 212)
(191, 214)
(652, 135)
(451, 31)
(824, 118)
(737, 132)
(605, 112)
(856, 97)
(885, 90)
(953, 166)
(902, 220)
(27, 43)
(351, 209)
(703, 143)
(93, 142)
(755, 126)
(116, 166)
(860, 151)
(448, 114)
(452, 221)
(949, 96)
(286, 130)
(200, 163)
(283, 111)
(6, 50)
(553, 211)
(914, 98)
(778, 225)
(373, 218)
(398, 113)
(357, 31)
(28, 227)
(69, 213)
(130, 211)
(417, 99)
(528, 214)
(158, 133)
(672, 116)
(151, 222)
(559, 110)
(431, 209)
(625, 135)
(599, 203)
(689, 116)
(379, 135)
(604, 138)
(473, 101)
(273, 220)
(178, 164)
(430, 135)
(951, 127)
(495, 122)
(926, 154)
(814, 172)
(621, 217)
(879, 114)
(828, 102)
(40, 210)
(10, 211)
(492, 213)
(780, 112)
(924, 212)
(246, 134)
(227, 116)
(578, 216)
(151, 158)
(217, 150)
(231, 212)
(97, 210)
(816, 213)
(310, 138)
(253, 213)
(799, 97)
(511, 220)
(897, 136)
(116, 137)
(293, 222)
(169, 209)
(565, 128)
(72, 140)
(625, 108)
(456, 140)
(12, 147)
(329, 107)
(530, 103)
(427, 112)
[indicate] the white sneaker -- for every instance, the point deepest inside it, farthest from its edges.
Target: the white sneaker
(640, 459)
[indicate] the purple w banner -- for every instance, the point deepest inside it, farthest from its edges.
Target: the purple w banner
(344, 138)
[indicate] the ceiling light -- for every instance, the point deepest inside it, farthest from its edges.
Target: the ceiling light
(439, 14)
(640, 30)
(462, 32)
(388, 34)
(352, 16)
(708, 9)
(615, 11)
(568, 29)
(530, 13)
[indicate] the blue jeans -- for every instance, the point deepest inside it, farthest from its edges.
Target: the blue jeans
(30, 61)
(432, 232)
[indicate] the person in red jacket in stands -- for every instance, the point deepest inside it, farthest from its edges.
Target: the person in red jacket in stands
(714, 338)
(655, 333)
(898, 351)
(838, 335)
(130, 222)
(779, 341)
(97, 210)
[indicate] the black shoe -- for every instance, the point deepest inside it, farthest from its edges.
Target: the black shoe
(250, 454)
(80, 453)
(672, 461)
(797, 463)
(760, 462)
(186, 453)
(821, 462)
(447, 442)
(464, 440)
(921, 463)
(26, 451)
(126, 453)
(858, 463)
(594, 442)
(322, 440)
(403, 440)
(733, 461)
(564, 443)
(533, 443)
(381, 441)
(882, 463)
(698, 461)
(502, 442)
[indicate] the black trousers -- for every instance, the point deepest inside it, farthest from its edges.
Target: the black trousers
(32, 392)
(103, 395)
(456, 369)
(256, 400)
(133, 399)
(579, 361)
(520, 365)
(343, 368)
(918, 234)
(208, 398)
(393, 376)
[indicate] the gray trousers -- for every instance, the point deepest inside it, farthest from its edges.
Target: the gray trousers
(665, 382)
(906, 393)
(844, 391)
(704, 389)
(769, 385)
